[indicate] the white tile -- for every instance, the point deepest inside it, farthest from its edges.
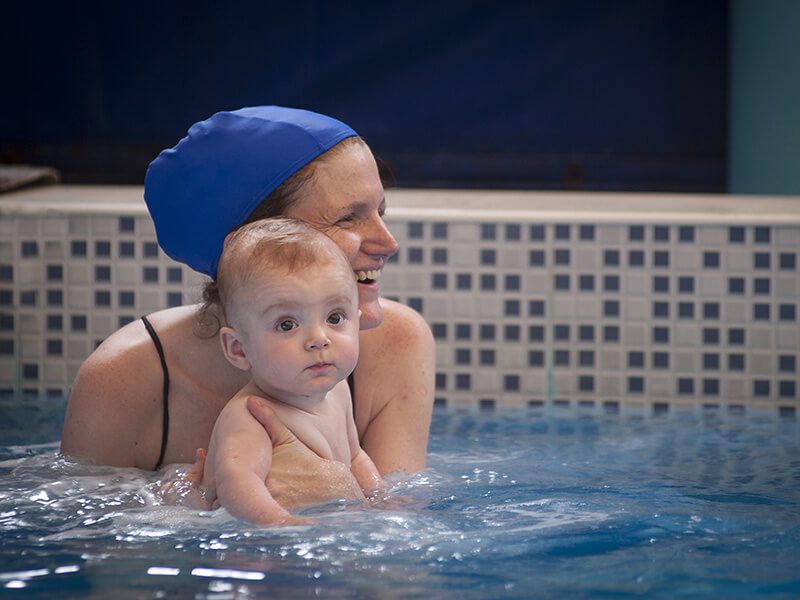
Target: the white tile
(734, 312)
(788, 338)
(54, 371)
(489, 308)
(6, 250)
(684, 362)
(761, 364)
(31, 323)
(635, 335)
(103, 226)
(735, 389)
(637, 309)
(609, 385)
(28, 272)
(711, 285)
(738, 260)
(438, 308)
(786, 288)
(31, 347)
(536, 282)
(759, 338)
(512, 257)
(79, 225)
(685, 259)
(79, 297)
(636, 284)
(127, 274)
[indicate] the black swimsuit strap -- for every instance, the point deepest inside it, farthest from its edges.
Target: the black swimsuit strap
(165, 422)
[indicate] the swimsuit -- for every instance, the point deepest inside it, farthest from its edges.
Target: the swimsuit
(165, 393)
(165, 422)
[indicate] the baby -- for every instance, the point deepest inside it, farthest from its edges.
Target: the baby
(290, 304)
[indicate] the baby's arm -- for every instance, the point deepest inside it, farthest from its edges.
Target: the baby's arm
(239, 459)
(362, 467)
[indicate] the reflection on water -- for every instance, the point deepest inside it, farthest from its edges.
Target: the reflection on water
(513, 504)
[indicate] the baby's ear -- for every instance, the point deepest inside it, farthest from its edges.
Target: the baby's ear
(233, 349)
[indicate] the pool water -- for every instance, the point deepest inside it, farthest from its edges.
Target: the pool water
(514, 504)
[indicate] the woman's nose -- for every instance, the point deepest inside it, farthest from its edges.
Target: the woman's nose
(380, 240)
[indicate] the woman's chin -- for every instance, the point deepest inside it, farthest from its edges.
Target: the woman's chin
(371, 315)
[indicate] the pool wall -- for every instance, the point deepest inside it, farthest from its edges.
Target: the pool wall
(587, 299)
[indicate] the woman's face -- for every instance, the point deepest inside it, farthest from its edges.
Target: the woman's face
(344, 199)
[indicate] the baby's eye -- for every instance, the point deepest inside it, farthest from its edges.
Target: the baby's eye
(336, 318)
(286, 325)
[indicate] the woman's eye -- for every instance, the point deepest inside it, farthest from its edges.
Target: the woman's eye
(335, 318)
(286, 325)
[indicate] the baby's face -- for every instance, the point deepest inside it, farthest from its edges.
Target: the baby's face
(300, 330)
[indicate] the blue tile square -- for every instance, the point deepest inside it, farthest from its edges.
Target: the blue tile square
(7, 273)
(561, 358)
(661, 258)
(102, 248)
(6, 347)
(561, 256)
(536, 308)
(610, 308)
(686, 233)
(787, 261)
(488, 282)
(439, 331)
(787, 363)
(636, 233)
(636, 385)
(513, 283)
(736, 336)
(686, 285)
(7, 322)
(511, 333)
(586, 358)
(585, 383)
(511, 308)
(29, 249)
(536, 233)
(710, 361)
(55, 272)
(761, 312)
(635, 359)
(611, 258)
(660, 284)
(535, 333)
(711, 260)
(439, 256)
(611, 333)
(511, 383)
(463, 281)
(127, 250)
(126, 224)
(55, 348)
(685, 310)
(126, 298)
(661, 233)
(586, 233)
(174, 299)
(440, 230)
(535, 358)
(415, 230)
(414, 255)
(711, 310)
(586, 283)
(488, 331)
(660, 360)
(736, 235)
(710, 336)
(787, 312)
(761, 286)
(711, 387)
(761, 235)
(463, 356)
(586, 333)
(78, 248)
(761, 260)
(463, 381)
(736, 362)
(55, 297)
(787, 389)
(30, 371)
(513, 232)
(149, 250)
(536, 258)
(150, 274)
(561, 332)
(488, 231)
(635, 258)
(611, 283)
(28, 297)
(736, 285)
(78, 322)
(661, 335)
(761, 387)
(463, 331)
(55, 322)
(102, 273)
(562, 232)
(488, 256)
(487, 357)
(660, 310)
(439, 281)
(102, 298)
(174, 275)
(561, 282)
(685, 386)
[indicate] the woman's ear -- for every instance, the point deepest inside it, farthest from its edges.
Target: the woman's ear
(233, 349)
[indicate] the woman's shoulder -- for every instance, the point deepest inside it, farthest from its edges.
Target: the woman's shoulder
(401, 325)
(117, 392)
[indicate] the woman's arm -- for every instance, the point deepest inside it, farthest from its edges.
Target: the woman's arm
(394, 387)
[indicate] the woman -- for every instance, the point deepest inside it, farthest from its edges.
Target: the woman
(130, 407)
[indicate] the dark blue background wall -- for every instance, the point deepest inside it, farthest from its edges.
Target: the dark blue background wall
(618, 94)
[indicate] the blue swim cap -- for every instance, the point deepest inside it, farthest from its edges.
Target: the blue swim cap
(210, 182)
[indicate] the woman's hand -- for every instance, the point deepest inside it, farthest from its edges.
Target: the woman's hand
(183, 488)
(298, 476)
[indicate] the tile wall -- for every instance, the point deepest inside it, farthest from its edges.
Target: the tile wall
(528, 309)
